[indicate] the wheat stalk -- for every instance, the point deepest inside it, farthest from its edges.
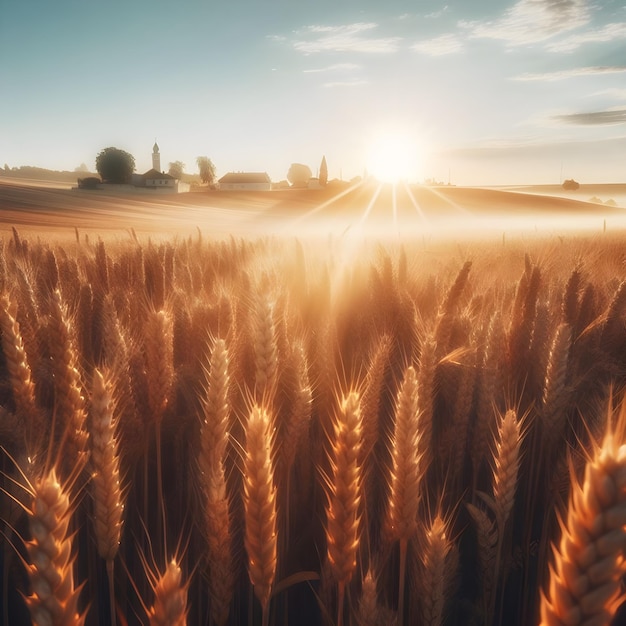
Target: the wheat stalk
(214, 433)
(406, 474)
(342, 511)
(260, 507)
(585, 579)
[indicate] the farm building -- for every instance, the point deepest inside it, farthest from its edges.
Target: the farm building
(245, 181)
(154, 178)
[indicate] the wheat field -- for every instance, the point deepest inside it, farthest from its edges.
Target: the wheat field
(283, 432)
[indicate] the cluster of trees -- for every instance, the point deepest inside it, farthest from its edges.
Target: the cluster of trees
(117, 166)
(299, 174)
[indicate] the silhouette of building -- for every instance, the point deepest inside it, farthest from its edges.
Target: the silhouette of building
(156, 157)
(156, 179)
(245, 181)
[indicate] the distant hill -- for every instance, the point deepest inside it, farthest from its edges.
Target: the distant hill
(40, 173)
(29, 171)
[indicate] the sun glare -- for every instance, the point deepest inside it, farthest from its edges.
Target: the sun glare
(394, 156)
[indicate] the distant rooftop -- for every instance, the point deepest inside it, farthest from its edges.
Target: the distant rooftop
(153, 174)
(245, 177)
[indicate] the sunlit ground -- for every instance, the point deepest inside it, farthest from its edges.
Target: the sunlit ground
(373, 210)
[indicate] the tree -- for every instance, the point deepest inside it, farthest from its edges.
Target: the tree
(323, 172)
(299, 174)
(115, 165)
(176, 169)
(570, 184)
(207, 170)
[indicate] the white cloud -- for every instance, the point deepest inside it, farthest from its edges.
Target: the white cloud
(346, 83)
(345, 38)
(337, 67)
(578, 71)
(439, 46)
(532, 21)
(609, 32)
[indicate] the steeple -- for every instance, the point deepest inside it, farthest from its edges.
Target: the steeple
(156, 157)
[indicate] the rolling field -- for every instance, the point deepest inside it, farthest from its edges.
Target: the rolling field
(383, 406)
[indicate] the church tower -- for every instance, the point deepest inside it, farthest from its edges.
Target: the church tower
(156, 157)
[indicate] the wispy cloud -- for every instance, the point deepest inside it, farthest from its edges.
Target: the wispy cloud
(355, 37)
(611, 92)
(593, 118)
(336, 67)
(439, 46)
(532, 21)
(609, 32)
(572, 73)
(345, 83)
(435, 14)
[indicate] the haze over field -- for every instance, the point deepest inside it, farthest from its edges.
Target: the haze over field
(527, 91)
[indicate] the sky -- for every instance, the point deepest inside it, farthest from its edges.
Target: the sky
(473, 93)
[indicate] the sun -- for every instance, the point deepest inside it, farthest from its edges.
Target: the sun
(394, 156)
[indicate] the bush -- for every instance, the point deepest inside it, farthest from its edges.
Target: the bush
(90, 182)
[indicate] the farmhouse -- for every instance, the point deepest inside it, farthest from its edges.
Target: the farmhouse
(154, 178)
(245, 181)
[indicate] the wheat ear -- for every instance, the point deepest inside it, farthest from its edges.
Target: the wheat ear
(300, 412)
(585, 579)
(69, 400)
(554, 390)
(406, 474)
(105, 481)
(265, 351)
(506, 466)
(213, 439)
(260, 507)
(369, 611)
(426, 397)
(170, 598)
(53, 599)
(487, 538)
(342, 512)
(436, 574)
(158, 360)
(20, 377)
(107, 491)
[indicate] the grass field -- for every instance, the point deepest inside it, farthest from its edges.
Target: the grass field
(392, 407)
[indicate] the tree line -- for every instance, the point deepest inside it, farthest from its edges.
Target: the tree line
(115, 165)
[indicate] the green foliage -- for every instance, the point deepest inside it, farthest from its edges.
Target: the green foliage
(176, 169)
(207, 169)
(115, 165)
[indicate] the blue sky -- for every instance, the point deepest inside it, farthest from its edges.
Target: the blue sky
(488, 93)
